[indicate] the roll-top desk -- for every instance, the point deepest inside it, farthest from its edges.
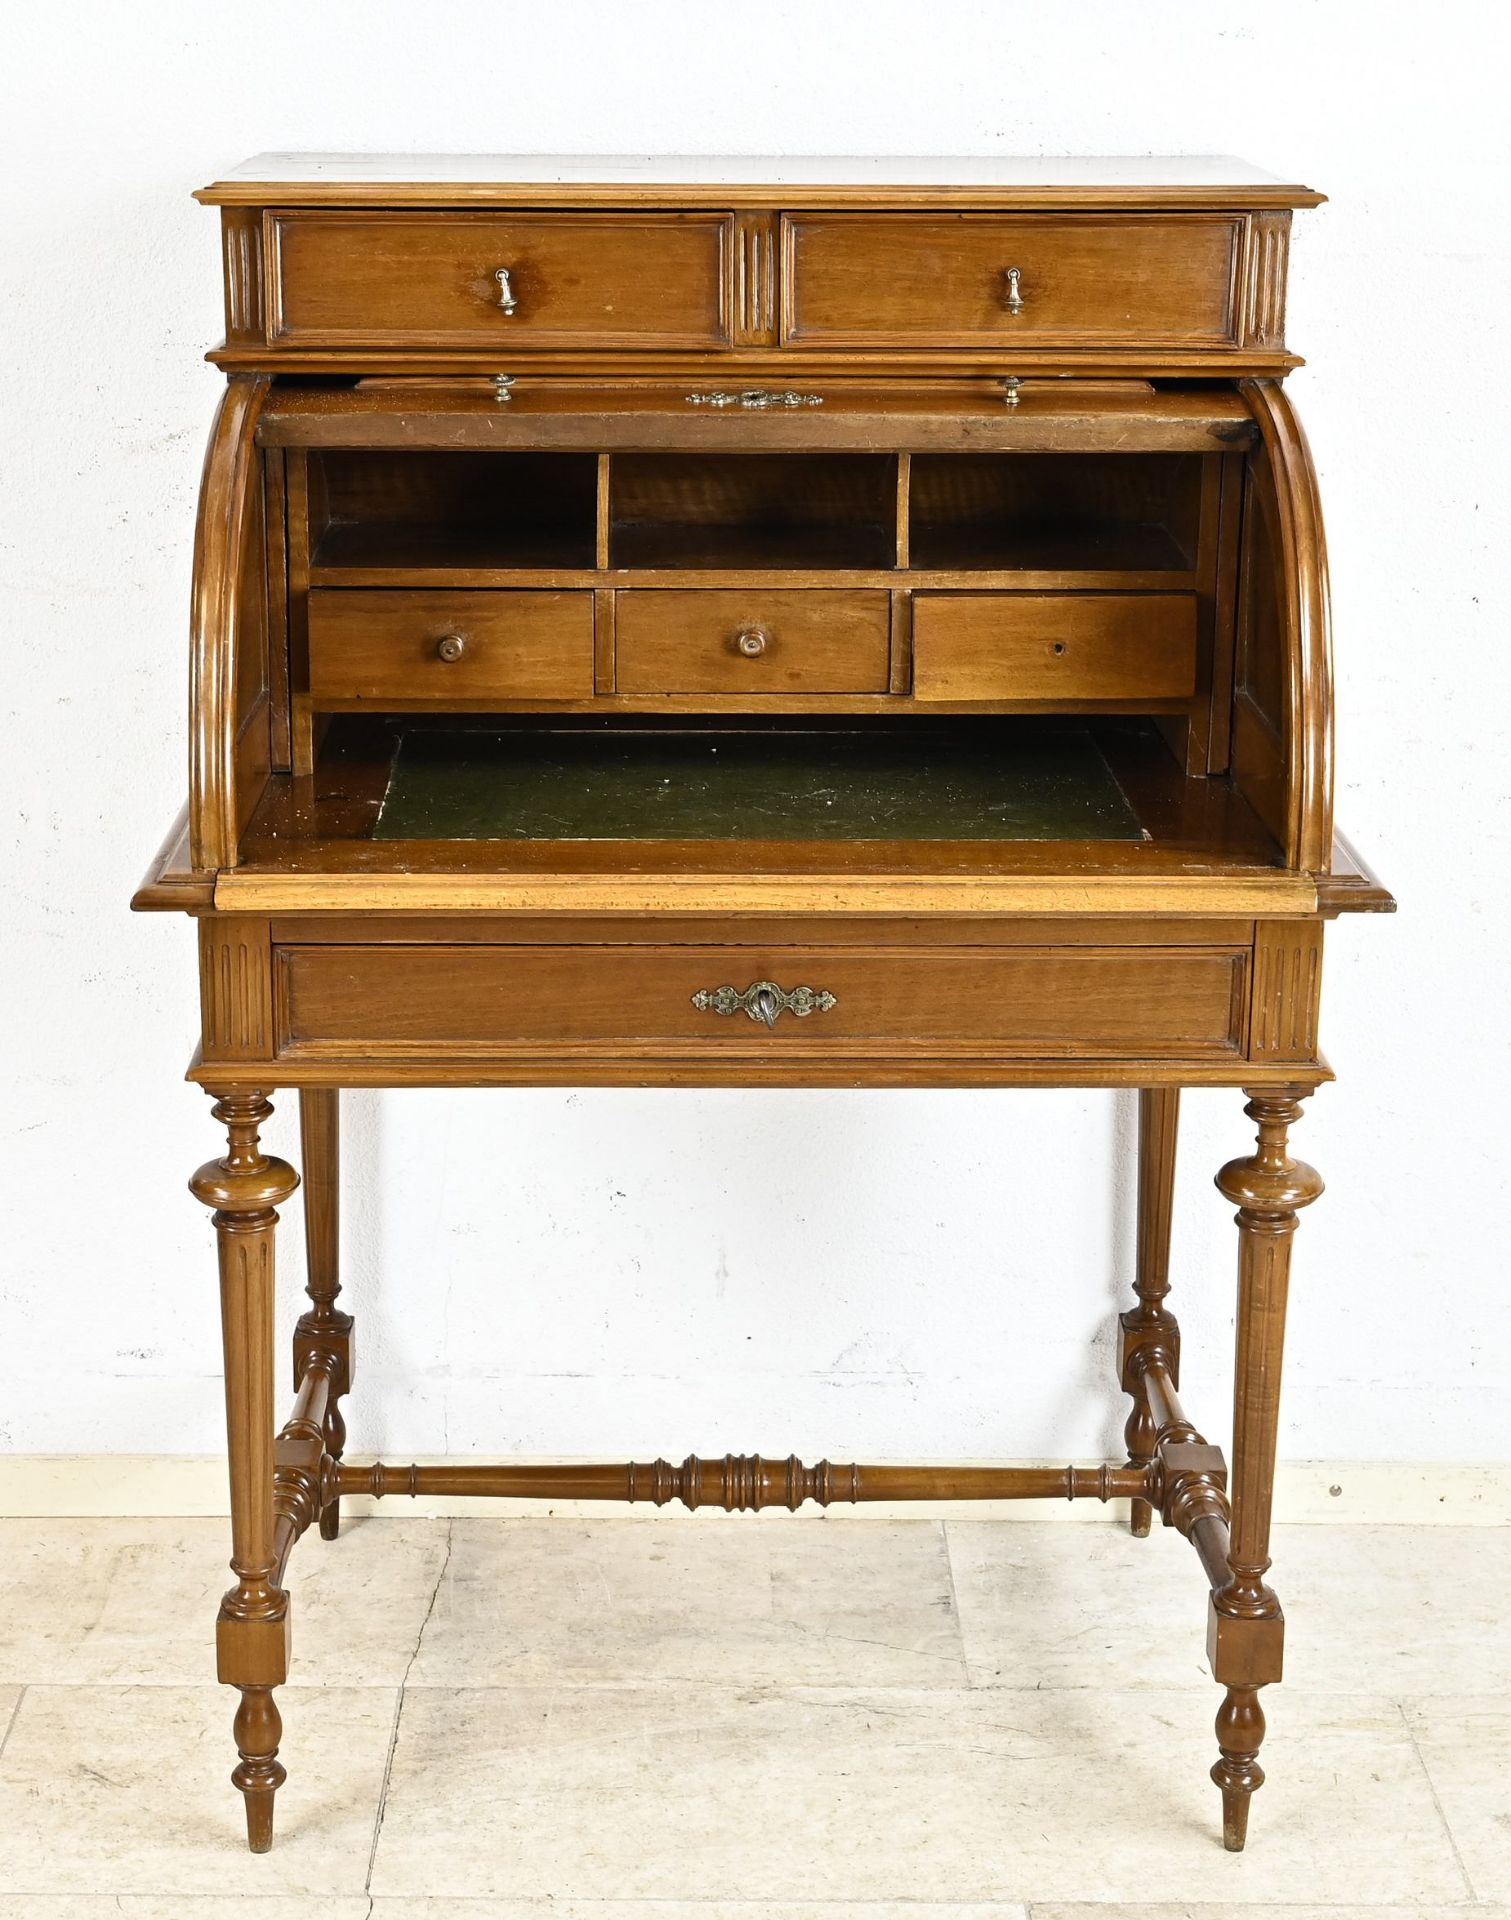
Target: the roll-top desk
(700, 624)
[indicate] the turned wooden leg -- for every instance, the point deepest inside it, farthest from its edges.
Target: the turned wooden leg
(1245, 1629)
(252, 1629)
(323, 1336)
(1148, 1329)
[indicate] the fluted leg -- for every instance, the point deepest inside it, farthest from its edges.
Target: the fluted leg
(1246, 1629)
(251, 1635)
(1149, 1328)
(323, 1336)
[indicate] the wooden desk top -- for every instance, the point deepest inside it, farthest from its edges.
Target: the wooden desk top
(1001, 181)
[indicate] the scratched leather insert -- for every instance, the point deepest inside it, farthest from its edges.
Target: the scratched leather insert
(467, 783)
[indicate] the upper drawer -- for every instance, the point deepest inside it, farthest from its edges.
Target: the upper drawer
(410, 648)
(499, 280)
(937, 280)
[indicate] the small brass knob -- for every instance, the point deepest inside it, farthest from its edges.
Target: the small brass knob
(752, 642)
(451, 646)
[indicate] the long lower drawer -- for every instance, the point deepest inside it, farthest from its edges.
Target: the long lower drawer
(395, 1001)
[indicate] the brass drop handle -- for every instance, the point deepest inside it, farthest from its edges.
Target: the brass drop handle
(506, 300)
(752, 642)
(450, 647)
(1012, 299)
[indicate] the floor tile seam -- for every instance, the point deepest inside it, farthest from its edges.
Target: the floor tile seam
(639, 1683)
(1229, 1909)
(398, 1711)
(679, 1684)
(1431, 1785)
(14, 1714)
(967, 1665)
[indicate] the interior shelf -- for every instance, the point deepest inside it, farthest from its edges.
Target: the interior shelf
(1055, 512)
(829, 511)
(950, 546)
(468, 512)
(460, 510)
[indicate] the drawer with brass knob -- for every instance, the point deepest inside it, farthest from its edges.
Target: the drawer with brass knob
(752, 641)
(421, 647)
(498, 280)
(701, 1003)
(1018, 280)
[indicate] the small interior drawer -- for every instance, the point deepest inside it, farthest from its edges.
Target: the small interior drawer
(568, 279)
(1054, 646)
(760, 640)
(926, 280)
(417, 647)
(1108, 1003)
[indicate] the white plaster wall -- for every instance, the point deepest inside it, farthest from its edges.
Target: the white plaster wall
(880, 1274)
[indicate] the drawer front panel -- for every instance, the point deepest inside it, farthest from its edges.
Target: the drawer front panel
(422, 647)
(753, 641)
(1054, 646)
(926, 280)
(1096, 1003)
(433, 281)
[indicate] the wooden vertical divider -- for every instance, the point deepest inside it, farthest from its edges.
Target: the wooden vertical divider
(603, 597)
(297, 551)
(900, 677)
(601, 536)
(900, 673)
(275, 517)
(1225, 614)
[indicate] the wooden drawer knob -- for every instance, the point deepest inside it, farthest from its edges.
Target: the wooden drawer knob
(451, 646)
(752, 642)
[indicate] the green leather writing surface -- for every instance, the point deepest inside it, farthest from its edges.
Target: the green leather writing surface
(734, 784)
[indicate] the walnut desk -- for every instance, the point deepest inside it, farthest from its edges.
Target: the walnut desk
(757, 623)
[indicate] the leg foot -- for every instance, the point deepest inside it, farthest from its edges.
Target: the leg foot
(1245, 1627)
(1240, 1734)
(258, 1774)
(245, 1188)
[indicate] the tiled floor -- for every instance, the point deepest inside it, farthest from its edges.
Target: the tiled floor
(752, 1720)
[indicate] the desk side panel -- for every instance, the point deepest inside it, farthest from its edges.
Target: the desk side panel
(1282, 749)
(230, 703)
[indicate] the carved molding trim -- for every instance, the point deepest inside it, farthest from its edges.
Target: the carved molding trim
(1266, 262)
(241, 241)
(753, 269)
(1287, 990)
(236, 989)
